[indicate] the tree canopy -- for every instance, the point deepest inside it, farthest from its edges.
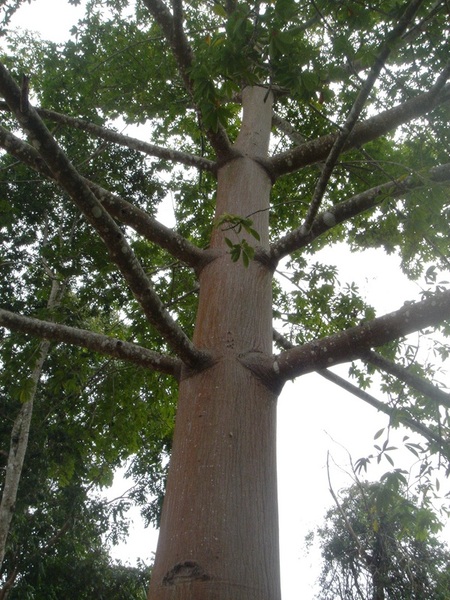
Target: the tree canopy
(274, 129)
(379, 542)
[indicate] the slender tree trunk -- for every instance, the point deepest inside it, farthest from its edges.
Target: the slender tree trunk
(8, 585)
(17, 450)
(379, 569)
(219, 528)
(19, 439)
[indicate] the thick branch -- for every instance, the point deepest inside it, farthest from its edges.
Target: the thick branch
(398, 415)
(23, 152)
(173, 32)
(351, 344)
(103, 133)
(154, 231)
(96, 342)
(123, 211)
(354, 206)
(288, 129)
(355, 112)
(172, 27)
(179, 39)
(118, 248)
(414, 381)
(7, 586)
(370, 129)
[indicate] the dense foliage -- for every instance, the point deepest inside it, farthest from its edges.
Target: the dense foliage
(380, 543)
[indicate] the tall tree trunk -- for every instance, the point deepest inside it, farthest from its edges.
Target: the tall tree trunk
(219, 528)
(19, 442)
(17, 450)
(379, 567)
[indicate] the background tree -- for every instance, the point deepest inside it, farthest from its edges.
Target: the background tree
(357, 101)
(59, 547)
(380, 543)
(74, 446)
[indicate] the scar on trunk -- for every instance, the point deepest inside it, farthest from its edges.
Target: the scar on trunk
(185, 572)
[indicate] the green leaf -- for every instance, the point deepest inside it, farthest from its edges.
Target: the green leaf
(26, 391)
(219, 10)
(378, 434)
(389, 459)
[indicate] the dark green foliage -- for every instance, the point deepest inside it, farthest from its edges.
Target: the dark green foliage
(380, 540)
(85, 576)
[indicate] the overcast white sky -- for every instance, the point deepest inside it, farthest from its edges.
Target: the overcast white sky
(314, 416)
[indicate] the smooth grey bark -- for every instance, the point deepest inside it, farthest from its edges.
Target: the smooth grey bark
(17, 450)
(20, 434)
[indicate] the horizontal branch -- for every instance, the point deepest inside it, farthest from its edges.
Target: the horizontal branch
(347, 209)
(95, 342)
(350, 344)
(115, 242)
(398, 415)
(108, 135)
(119, 208)
(411, 379)
(317, 150)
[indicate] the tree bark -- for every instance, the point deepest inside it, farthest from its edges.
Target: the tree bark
(378, 569)
(19, 440)
(219, 528)
(17, 450)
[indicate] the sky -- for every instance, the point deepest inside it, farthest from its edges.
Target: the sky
(315, 417)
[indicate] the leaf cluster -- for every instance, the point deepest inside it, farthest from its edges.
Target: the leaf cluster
(318, 304)
(380, 538)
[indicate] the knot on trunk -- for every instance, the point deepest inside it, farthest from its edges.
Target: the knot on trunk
(185, 572)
